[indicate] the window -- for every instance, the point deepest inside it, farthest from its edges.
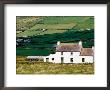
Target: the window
(47, 59)
(71, 53)
(71, 59)
(83, 59)
(52, 58)
(61, 53)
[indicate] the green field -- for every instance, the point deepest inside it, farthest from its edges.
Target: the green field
(31, 26)
(44, 44)
(33, 52)
(45, 31)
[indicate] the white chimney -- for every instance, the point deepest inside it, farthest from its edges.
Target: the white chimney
(58, 42)
(80, 43)
(93, 48)
(93, 51)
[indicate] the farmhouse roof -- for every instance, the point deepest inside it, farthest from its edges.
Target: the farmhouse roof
(86, 52)
(74, 47)
(68, 47)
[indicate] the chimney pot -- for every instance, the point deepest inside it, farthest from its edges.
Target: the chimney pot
(80, 43)
(58, 42)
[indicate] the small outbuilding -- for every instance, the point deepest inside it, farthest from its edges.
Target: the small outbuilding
(34, 58)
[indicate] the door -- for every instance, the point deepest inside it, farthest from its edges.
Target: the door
(62, 59)
(47, 59)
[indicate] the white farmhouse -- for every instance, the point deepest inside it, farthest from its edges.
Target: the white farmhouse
(71, 53)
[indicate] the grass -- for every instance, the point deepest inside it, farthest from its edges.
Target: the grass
(30, 26)
(37, 32)
(44, 44)
(64, 19)
(54, 28)
(34, 67)
(25, 23)
(32, 52)
(50, 68)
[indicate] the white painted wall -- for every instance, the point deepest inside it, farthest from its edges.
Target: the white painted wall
(67, 55)
(88, 59)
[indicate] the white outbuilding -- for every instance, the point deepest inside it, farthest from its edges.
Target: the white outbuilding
(34, 58)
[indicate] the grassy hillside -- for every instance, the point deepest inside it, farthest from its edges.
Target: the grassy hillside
(45, 31)
(31, 26)
(44, 44)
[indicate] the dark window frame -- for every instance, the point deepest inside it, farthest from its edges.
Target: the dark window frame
(47, 59)
(52, 59)
(83, 59)
(71, 53)
(71, 59)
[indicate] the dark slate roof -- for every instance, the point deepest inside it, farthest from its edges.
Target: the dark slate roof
(68, 47)
(86, 52)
